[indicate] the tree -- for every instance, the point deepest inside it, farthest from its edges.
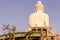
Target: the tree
(10, 31)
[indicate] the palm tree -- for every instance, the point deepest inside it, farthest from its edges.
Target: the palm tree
(11, 31)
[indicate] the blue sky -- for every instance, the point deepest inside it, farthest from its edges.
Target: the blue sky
(16, 12)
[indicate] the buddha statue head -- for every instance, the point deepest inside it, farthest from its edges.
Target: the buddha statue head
(39, 6)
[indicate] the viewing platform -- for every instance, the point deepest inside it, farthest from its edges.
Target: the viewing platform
(34, 34)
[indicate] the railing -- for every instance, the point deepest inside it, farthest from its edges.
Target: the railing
(37, 32)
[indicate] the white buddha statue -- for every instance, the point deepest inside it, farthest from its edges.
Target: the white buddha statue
(39, 18)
